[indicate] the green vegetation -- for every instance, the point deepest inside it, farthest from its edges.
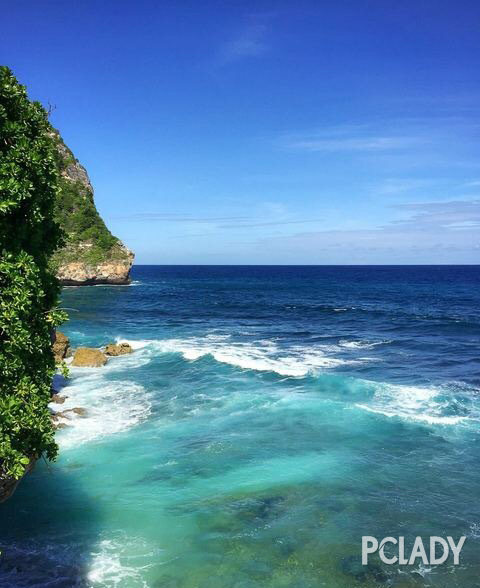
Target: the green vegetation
(29, 235)
(87, 237)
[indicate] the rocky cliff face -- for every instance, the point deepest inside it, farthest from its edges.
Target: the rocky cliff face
(84, 273)
(91, 255)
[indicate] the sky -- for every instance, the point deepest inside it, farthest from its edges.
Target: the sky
(284, 132)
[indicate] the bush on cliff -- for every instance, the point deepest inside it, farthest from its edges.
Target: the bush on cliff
(87, 238)
(28, 290)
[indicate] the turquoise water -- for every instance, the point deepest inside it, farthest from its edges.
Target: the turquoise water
(268, 418)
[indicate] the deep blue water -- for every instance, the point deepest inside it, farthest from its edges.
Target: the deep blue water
(268, 418)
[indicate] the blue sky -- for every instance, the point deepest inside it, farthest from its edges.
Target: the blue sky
(267, 132)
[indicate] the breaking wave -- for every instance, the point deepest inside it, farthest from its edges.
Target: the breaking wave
(428, 405)
(261, 355)
(110, 407)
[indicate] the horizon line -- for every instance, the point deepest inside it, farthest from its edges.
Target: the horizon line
(306, 265)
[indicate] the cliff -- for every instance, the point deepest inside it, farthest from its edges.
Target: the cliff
(91, 254)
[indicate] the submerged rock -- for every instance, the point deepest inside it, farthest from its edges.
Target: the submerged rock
(59, 418)
(115, 349)
(61, 414)
(61, 347)
(59, 425)
(352, 566)
(89, 357)
(78, 410)
(57, 399)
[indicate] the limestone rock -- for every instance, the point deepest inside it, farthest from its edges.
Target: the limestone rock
(91, 254)
(58, 419)
(79, 411)
(72, 169)
(88, 357)
(61, 347)
(63, 414)
(57, 399)
(81, 273)
(59, 425)
(118, 349)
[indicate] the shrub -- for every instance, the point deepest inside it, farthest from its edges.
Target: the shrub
(29, 291)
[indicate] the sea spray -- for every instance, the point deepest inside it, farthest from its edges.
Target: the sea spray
(255, 434)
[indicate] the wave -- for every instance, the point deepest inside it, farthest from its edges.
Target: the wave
(260, 355)
(429, 405)
(425, 418)
(67, 561)
(362, 344)
(133, 343)
(413, 403)
(120, 562)
(111, 407)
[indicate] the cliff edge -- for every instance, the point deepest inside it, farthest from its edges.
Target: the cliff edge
(91, 254)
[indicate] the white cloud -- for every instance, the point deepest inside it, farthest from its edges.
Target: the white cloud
(223, 222)
(352, 144)
(443, 215)
(435, 232)
(394, 186)
(348, 138)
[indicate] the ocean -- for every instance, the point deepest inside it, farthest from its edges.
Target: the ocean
(268, 418)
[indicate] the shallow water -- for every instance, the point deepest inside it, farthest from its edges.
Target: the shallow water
(268, 418)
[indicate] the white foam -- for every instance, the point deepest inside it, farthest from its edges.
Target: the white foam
(361, 344)
(412, 403)
(475, 531)
(116, 563)
(426, 418)
(111, 407)
(261, 355)
(134, 344)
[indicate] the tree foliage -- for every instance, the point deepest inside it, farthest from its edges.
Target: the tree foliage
(87, 238)
(78, 216)
(29, 291)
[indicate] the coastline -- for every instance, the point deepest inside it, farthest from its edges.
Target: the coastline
(257, 421)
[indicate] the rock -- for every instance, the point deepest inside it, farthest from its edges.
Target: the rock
(80, 273)
(61, 414)
(59, 425)
(61, 347)
(91, 254)
(352, 566)
(118, 349)
(88, 357)
(79, 410)
(57, 399)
